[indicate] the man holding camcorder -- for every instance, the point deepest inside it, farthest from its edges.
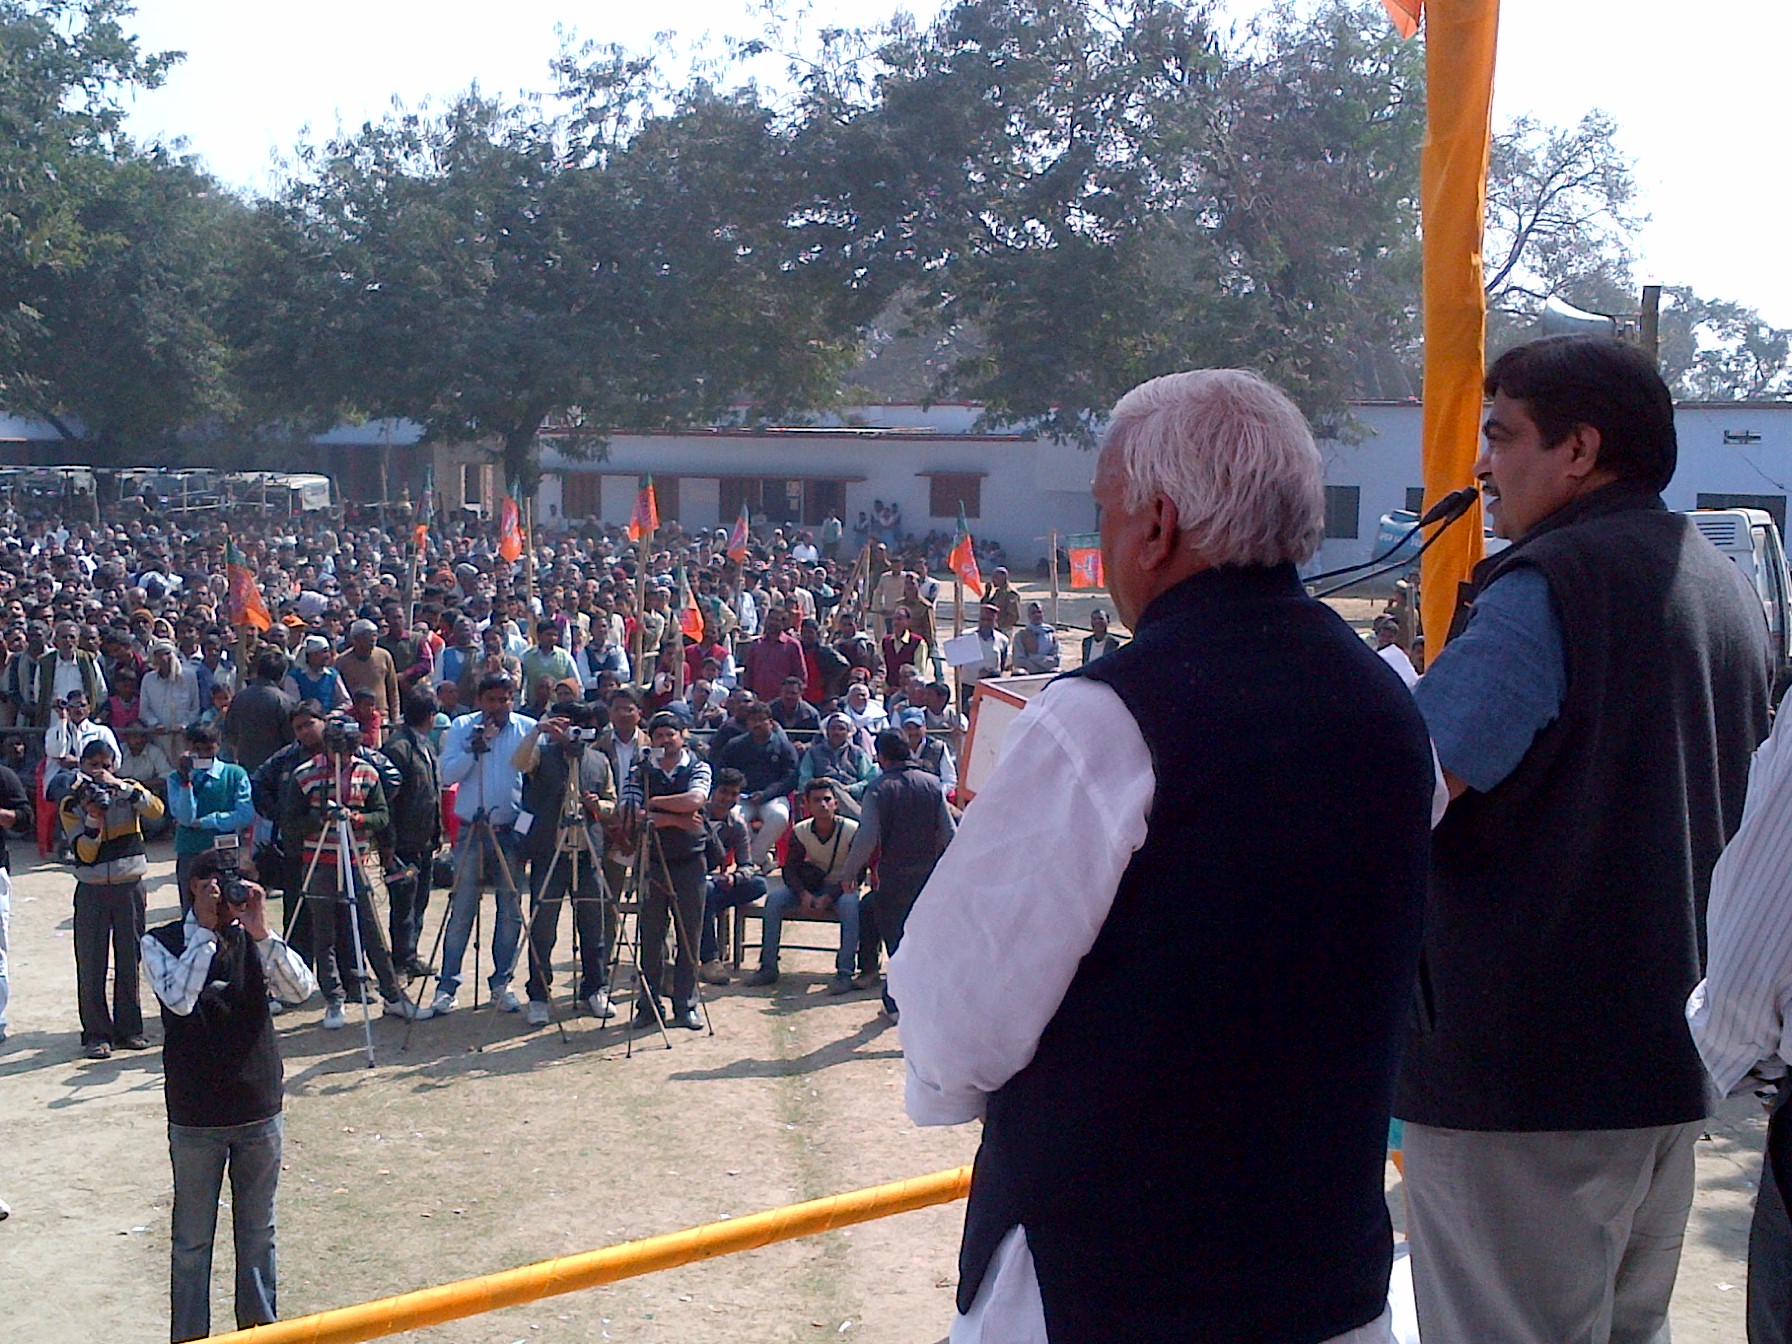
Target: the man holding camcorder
(479, 754)
(564, 846)
(334, 786)
(102, 818)
(213, 972)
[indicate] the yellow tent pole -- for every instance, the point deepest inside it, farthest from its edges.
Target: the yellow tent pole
(1460, 41)
(547, 1278)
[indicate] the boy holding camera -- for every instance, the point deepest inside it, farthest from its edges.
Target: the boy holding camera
(209, 797)
(102, 818)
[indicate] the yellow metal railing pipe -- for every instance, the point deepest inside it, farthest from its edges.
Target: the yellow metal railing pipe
(547, 1278)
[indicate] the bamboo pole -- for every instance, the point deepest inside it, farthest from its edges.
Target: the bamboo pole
(549, 1278)
(1054, 572)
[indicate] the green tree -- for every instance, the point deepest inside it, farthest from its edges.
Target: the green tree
(486, 268)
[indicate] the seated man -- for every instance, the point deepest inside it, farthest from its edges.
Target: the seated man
(791, 711)
(838, 757)
(768, 760)
(733, 880)
(815, 882)
(145, 762)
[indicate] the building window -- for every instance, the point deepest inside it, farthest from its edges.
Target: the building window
(1773, 504)
(948, 491)
(1415, 499)
(1342, 505)
(472, 483)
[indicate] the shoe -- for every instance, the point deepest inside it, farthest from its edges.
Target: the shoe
(275, 1007)
(645, 1018)
(100, 1050)
(402, 1007)
(765, 975)
(891, 1011)
(333, 1018)
(599, 1006)
(713, 973)
(840, 984)
(866, 980)
(538, 1014)
(506, 1001)
(440, 1006)
(134, 1043)
(417, 968)
(5, 1210)
(688, 1018)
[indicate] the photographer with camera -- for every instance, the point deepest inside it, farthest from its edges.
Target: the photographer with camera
(337, 783)
(209, 797)
(479, 754)
(416, 825)
(71, 730)
(568, 794)
(102, 818)
(214, 971)
(667, 793)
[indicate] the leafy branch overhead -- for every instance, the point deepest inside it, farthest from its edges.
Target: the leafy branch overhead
(1048, 200)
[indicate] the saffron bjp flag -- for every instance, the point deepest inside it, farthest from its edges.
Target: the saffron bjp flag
(690, 615)
(646, 517)
(963, 559)
(247, 606)
(510, 530)
(420, 535)
(1085, 560)
(737, 537)
(1406, 15)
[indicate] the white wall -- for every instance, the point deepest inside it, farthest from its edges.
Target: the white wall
(700, 501)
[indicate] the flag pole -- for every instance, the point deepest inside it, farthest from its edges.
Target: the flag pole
(957, 629)
(644, 682)
(1053, 542)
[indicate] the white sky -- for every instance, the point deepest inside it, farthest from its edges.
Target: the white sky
(1700, 101)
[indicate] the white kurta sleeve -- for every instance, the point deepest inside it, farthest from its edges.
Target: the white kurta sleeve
(1017, 900)
(1741, 1014)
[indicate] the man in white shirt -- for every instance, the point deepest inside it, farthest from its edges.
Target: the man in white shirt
(169, 695)
(1387, 647)
(1741, 1013)
(70, 730)
(1108, 1201)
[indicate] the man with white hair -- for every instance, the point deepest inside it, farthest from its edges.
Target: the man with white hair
(169, 695)
(1243, 789)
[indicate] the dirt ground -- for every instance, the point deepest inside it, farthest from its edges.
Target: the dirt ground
(487, 1145)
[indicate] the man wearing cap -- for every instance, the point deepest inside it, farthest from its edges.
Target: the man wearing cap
(169, 696)
(1004, 599)
(312, 677)
(835, 755)
(1036, 644)
(930, 753)
(364, 666)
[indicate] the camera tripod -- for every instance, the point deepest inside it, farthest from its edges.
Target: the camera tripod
(576, 847)
(479, 832)
(338, 836)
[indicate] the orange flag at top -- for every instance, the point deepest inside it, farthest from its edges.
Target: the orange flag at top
(963, 560)
(1406, 15)
(646, 517)
(510, 530)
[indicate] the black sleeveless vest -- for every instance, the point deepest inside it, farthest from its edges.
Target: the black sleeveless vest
(1196, 1150)
(220, 1063)
(1567, 912)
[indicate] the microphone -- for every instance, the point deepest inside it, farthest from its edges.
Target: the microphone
(1456, 505)
(1446, 511)
(1452, 506)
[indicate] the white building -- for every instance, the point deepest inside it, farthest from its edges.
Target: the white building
(1732, 454)
(1015, 489)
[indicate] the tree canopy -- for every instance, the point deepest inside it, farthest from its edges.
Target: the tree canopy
(1063, 196)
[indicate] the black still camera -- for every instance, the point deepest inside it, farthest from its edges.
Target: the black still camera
(91, 792)
(231, 887)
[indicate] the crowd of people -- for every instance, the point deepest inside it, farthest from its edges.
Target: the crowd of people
(458, 681)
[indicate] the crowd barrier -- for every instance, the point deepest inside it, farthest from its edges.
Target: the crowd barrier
(548, 1278)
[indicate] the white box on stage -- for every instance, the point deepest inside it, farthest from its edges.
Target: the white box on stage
(995, 702)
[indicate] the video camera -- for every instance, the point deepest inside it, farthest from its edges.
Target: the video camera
(231, 887)
(342, 735)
